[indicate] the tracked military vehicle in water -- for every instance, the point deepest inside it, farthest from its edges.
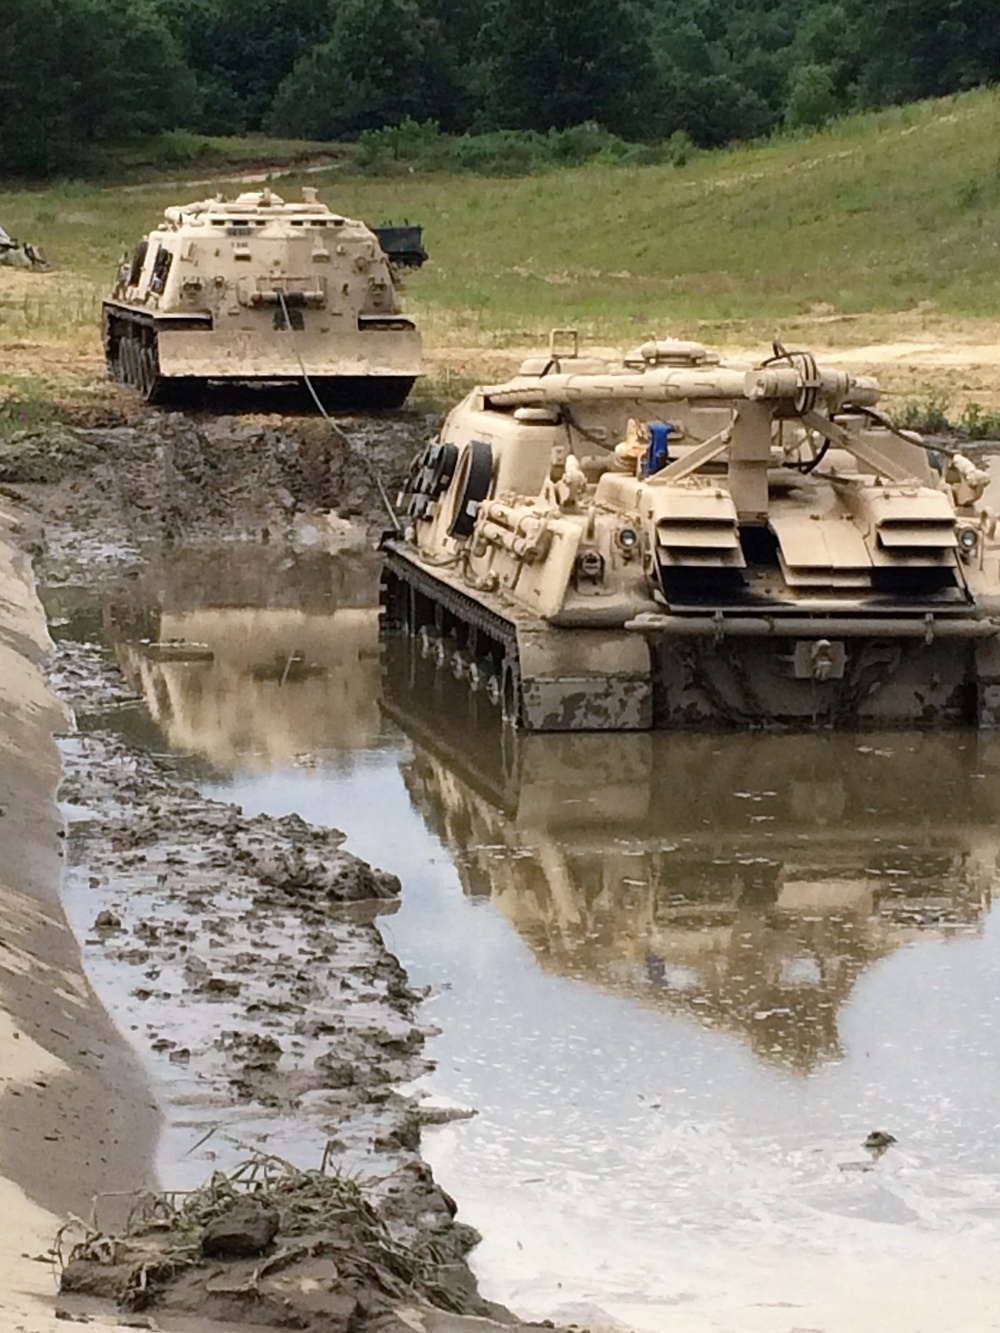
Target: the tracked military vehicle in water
(256, 289)
(681, 540)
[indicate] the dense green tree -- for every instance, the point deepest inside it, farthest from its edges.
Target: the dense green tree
(74, 72)
(241, 50)
(549, 64)
(385, 61)
(713, 109)
(925, 48)
(812, 97)
(705, 91)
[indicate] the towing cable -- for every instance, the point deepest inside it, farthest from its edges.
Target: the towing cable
(337, 430)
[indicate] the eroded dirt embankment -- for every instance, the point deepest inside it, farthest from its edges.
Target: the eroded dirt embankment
(265, 1000)
(76, 1117)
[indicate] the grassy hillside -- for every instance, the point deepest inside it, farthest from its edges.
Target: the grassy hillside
(892, 212)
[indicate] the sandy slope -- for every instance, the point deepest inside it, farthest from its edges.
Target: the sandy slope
(75, 1119)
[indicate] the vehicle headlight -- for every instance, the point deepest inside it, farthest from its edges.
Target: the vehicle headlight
(628, 539)
(968, 539)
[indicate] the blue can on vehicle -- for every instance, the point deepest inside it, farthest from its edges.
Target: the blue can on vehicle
(658, 451)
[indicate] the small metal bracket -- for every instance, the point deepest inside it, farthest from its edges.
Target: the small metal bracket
(570, 335)
(819, 659)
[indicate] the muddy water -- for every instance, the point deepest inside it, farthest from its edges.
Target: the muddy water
(680, 978)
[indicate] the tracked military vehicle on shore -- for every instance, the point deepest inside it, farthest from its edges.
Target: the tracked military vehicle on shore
(681, 540)
(259, 290)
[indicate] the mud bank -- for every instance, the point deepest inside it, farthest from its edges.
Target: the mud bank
(275, 1014)
(107, 493)
(76, 1117)
(274, 1020)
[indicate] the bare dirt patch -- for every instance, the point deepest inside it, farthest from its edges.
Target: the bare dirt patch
(914, 355)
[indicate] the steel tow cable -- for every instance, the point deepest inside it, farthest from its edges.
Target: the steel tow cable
(337, 430)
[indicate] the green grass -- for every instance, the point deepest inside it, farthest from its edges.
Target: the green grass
(34, 444)
(931, 414)
(889, 212)
(24, 406)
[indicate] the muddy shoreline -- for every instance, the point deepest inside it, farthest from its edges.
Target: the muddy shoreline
(266, 1001)
(187, 897)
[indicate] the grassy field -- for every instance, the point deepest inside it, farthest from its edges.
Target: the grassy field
(880, 228)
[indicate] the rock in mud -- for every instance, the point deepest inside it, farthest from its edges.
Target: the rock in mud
(342, 1258)
(245, 1230)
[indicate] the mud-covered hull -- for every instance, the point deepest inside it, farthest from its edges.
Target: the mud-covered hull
(728, 670)
(542, 678)
(887, 682)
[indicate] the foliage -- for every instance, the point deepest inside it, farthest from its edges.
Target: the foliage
(413, 146)
(79, 72)
(240, 51)
(812, 97)
(978, 423)
(550, 64)
(929, 414)
(383, 63)
(923, 48)
(75, 72)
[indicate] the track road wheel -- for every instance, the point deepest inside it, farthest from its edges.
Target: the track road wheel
(130, 360)
(147, 373)
(475, 476)
(152, 385)
(510, 695)
(113, 360)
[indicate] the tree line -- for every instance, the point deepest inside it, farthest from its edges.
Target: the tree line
(79, 72)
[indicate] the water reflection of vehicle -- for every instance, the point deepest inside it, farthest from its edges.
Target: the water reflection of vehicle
(746, 880)
(250, 687)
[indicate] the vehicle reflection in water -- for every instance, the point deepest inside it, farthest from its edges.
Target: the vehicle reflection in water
(252, 687)
(746, 881)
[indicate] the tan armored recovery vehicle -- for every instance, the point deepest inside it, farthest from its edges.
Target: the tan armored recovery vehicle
(680, 540)
(256, 289)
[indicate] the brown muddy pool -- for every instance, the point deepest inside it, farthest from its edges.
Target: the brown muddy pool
(680, 978)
